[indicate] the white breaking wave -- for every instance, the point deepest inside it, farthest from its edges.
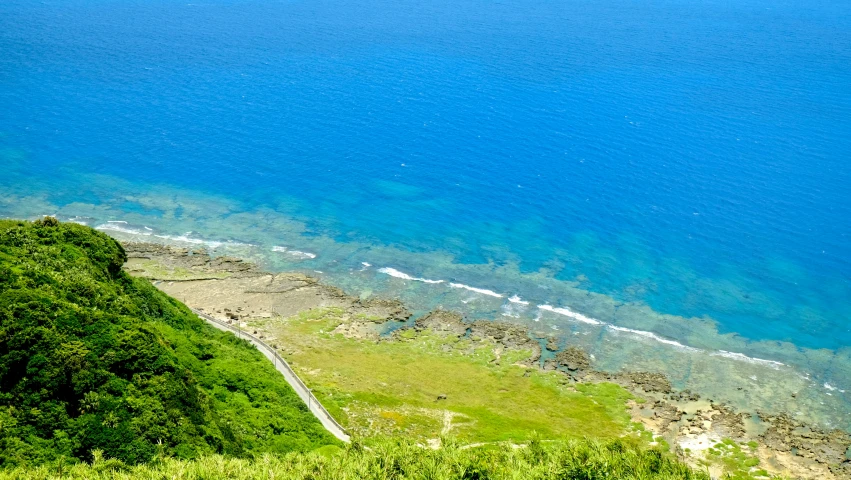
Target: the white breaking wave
(200, 241)
(517, 300)
(295, 253)
(570, 313)
(477, 290)
(404, 276)
(651, 335)
(119, 226)
(194, 241)
(514, 307)
(744, 358)
(643, 333)
(116, 227)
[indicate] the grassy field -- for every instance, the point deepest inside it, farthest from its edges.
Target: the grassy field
(379, 389)
(392, 387)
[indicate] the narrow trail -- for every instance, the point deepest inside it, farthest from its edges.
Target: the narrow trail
(284, 368)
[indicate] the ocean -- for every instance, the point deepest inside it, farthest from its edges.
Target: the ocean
(663, 182)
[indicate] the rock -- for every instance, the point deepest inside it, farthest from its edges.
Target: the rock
(827, 447)
(684, 396)
(442, 321)
(358, 330)
(666, 414)
(385, 310)
(647, 381)
(552, 344)
(573, 358)
(843, 470)
(198, 261)
(508, 335)
(728, 423)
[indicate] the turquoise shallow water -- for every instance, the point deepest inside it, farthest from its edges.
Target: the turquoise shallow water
(668, 180)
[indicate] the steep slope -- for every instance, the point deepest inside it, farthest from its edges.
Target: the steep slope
(93, 359)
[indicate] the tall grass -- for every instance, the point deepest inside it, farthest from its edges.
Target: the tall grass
(392, 459)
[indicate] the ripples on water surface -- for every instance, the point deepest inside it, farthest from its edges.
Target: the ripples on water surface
(673, 168)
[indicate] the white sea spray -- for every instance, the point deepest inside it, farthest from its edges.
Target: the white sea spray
(571, 314)
(404, 276)
(483, 291)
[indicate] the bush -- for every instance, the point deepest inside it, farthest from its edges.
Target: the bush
(393, 459)
(92, 359)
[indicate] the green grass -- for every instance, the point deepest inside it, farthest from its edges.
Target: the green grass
(392, 387)
(388, 459)
(738, 461)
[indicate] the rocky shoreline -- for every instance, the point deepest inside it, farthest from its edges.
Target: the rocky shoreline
(238, 291)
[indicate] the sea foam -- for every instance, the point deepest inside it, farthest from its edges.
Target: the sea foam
(115, 226)
(570, 313)
(653, 336)
(124, 227)
(185, 238)
(516, 299)
(404, 276)
(483, 291)
(294, 253)
(744, 358)
(644, 333)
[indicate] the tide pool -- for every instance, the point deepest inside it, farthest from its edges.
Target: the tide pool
(673, 168)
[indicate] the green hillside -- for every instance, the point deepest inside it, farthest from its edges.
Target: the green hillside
(93, 359)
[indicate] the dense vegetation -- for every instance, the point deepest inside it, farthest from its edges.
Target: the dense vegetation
(92, 359)
(578, 459)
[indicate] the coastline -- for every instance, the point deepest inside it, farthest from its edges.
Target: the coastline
(818, 377)
(692, 352)
(237, 290)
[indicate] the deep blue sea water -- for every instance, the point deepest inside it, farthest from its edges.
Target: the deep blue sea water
(686, 162)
